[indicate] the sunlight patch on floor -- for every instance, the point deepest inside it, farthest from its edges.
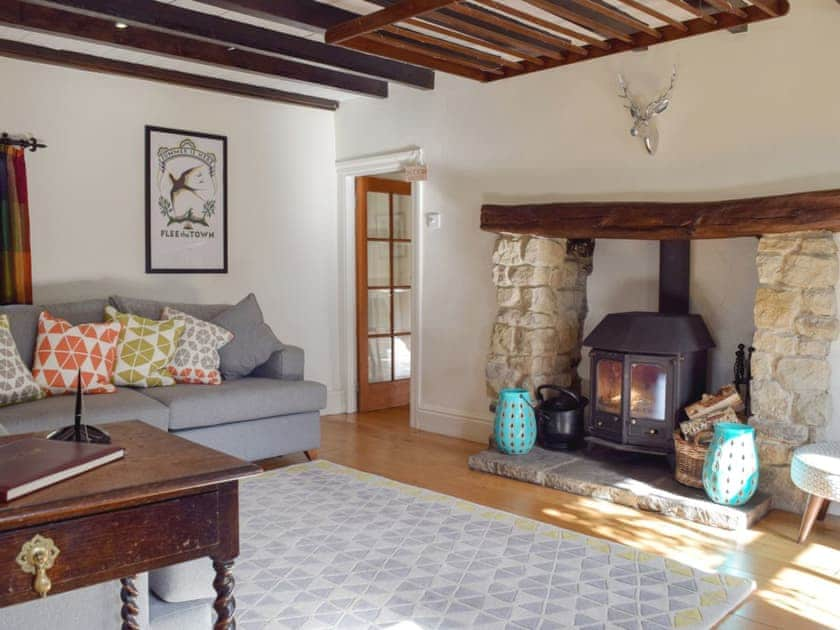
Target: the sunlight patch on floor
(804, 595)
(695, 545)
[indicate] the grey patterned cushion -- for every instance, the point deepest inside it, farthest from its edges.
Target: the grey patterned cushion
(16, 382)
(196, 359)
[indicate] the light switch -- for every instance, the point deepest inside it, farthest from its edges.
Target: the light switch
(433, 220)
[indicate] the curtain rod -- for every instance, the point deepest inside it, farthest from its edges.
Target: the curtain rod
(28, 143)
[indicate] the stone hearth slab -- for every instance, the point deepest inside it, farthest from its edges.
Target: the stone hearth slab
(639, 481)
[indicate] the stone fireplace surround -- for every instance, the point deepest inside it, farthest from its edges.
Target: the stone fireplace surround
(537, 336)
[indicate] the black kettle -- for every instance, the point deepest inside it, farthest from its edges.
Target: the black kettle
(560, 419)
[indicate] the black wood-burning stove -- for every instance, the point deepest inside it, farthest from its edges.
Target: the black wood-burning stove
(645, 367)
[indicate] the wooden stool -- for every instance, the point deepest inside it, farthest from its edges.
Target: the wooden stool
(816, 470)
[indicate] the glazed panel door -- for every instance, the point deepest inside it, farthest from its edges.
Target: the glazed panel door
(383, 292)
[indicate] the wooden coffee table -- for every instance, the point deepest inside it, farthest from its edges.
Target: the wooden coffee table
(169, 500)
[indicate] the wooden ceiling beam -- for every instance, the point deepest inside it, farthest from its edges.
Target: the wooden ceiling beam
(696, 12)
(765, 6)
(50, 20)
(698, 26)
(449, 45)
(376, 46)
(581, 20)
(654, 14)
(436, 28)
(545, 24)
(724, 5)
(176, 19)
(308, 14)
(506, 23)
(618, 16)
(398, 39)
(363, 24)
(666, 221)
(70, 59)
(482, 31)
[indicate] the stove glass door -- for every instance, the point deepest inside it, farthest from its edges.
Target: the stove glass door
(609, 385)
(648, 391)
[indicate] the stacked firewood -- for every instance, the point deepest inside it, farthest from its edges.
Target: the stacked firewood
(704, 414)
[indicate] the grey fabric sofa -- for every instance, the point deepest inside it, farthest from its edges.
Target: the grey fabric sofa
(271, 412)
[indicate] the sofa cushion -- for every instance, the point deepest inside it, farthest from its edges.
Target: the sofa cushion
(152, 309)
(253, 340)
(23, 319)
(16, 382)
(196, 359)
(80, 312)
(57, 411)
(144, 349)
(192, 406)
(65, 351)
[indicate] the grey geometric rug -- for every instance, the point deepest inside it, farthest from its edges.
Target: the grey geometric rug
(324, 546)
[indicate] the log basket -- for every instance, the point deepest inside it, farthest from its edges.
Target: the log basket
(690, 456)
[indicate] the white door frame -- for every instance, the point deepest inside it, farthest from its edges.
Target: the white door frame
(348, 171)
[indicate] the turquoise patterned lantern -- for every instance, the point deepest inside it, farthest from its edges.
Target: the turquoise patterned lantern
(730, 472)
(515, 428)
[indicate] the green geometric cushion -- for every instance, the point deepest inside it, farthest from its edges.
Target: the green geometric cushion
(144, 349)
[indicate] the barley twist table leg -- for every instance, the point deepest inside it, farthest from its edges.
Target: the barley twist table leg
(225, 604)
(130, 609)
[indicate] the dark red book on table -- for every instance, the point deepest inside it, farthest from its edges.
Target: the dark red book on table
(30, 464)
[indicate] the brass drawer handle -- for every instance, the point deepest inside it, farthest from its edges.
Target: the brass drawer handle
(35, 557)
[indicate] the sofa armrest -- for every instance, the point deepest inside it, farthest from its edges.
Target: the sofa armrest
(285, 365)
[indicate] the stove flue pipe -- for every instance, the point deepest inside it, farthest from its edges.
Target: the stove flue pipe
(674, 276)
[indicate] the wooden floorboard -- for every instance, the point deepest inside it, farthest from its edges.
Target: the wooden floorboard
(798, 585)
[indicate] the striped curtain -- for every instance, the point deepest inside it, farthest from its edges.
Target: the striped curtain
(15, 253)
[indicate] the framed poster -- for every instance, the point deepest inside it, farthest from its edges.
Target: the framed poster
(186, 202)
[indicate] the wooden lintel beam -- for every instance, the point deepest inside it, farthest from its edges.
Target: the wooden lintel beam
(51, 20)
(388, 16)
(669, 221)
(183, 21)
(70, 59)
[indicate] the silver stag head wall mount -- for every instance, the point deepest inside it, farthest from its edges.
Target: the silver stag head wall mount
(644, 126)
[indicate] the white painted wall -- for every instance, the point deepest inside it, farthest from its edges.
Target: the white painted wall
(87, 198)
(752, 114)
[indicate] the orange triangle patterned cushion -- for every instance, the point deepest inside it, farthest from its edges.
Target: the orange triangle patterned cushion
(63, 349)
